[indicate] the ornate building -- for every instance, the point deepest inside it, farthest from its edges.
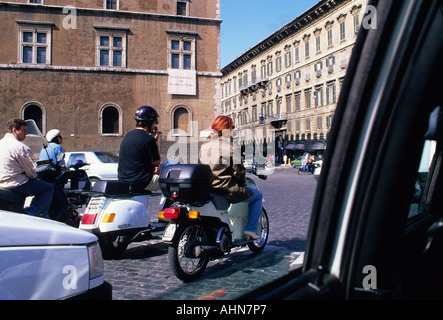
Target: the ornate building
(289, 83)
(86, 66)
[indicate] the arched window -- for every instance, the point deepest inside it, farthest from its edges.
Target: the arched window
(35, 111)
(181, 121)
(110, 120)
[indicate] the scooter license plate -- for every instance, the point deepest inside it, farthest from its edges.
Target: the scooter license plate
(169, 232)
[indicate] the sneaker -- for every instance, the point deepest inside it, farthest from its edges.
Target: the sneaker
(251, 235)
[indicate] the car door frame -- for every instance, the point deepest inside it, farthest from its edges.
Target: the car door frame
(359, 217)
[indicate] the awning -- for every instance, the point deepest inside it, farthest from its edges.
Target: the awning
(290, 146)
(320, 145)
(299, 146)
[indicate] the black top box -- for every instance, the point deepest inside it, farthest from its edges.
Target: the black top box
(186, 182)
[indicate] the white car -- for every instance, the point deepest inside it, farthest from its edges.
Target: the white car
(42, 259)
(102, 165)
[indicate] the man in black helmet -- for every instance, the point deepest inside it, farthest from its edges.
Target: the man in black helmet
(139, 157)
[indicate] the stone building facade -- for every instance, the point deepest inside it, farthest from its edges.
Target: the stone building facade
(85, 66)
(289, 83)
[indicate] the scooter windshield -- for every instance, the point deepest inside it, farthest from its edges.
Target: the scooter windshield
(34, 138)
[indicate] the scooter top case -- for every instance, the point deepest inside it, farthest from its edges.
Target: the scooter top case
(186, 182)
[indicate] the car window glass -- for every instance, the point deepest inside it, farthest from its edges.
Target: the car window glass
(106, 157)
(76, 157)
(422, 176)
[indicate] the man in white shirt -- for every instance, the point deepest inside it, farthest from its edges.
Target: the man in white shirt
(18, 171)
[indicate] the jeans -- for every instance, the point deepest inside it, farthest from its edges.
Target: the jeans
(42, 192)
(254, 210)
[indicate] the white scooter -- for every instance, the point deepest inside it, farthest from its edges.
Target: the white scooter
(119, 215)
(202, 225)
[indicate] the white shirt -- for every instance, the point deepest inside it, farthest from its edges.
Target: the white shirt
(16, 165)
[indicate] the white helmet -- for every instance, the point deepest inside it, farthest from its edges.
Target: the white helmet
(52, 134)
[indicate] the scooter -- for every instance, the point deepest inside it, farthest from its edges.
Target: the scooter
(67, 198)
(118, 215)
(202, 225)
(307, 168)
(65, 201)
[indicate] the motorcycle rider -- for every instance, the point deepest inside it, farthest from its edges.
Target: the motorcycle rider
(54, 149)
(18, 171)
(229, 176)
(53, 152)
(139, 156)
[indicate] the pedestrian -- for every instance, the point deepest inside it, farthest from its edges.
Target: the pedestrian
(229, 174)
(18, 171)
(139, 156)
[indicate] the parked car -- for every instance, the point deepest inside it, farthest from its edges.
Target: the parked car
(41, 259)
(102, 165)
(373, 233)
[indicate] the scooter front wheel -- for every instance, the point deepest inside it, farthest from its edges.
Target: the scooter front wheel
(184, 265)
(263, 230)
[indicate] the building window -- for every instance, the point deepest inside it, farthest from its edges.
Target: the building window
(270, 109)
(331, 93)
(307, 49)
(270, 69)
(328, 122)
(254, 113)
(182, 54)
(297, 101)
(308, 127)
(263, 110)
(35, 45)
(342, 30)
(111, 4)
(35, 111)
(318, 44)
(330, 38)
(330, 62)
(289, 103)
(278, 64)
(288, 59)
(263, 72)
(356, 23)
(308, 98)
(181, 121)
(111, 49)
(297, 127)
(35, 1)
(318, 96)
(110, 120)
(297, 54)
(319, 124)
(182, 8)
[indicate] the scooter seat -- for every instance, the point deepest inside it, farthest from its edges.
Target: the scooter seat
(219, 201)
(114, 188)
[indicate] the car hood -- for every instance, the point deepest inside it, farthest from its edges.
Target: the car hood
(22, 230)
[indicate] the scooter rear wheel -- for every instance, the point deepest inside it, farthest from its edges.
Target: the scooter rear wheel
(263, 230)
(186, 267)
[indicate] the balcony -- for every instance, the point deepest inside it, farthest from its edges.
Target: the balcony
(254, 85)
(278, 121)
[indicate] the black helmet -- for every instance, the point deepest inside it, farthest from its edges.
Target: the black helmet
(146, 113)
